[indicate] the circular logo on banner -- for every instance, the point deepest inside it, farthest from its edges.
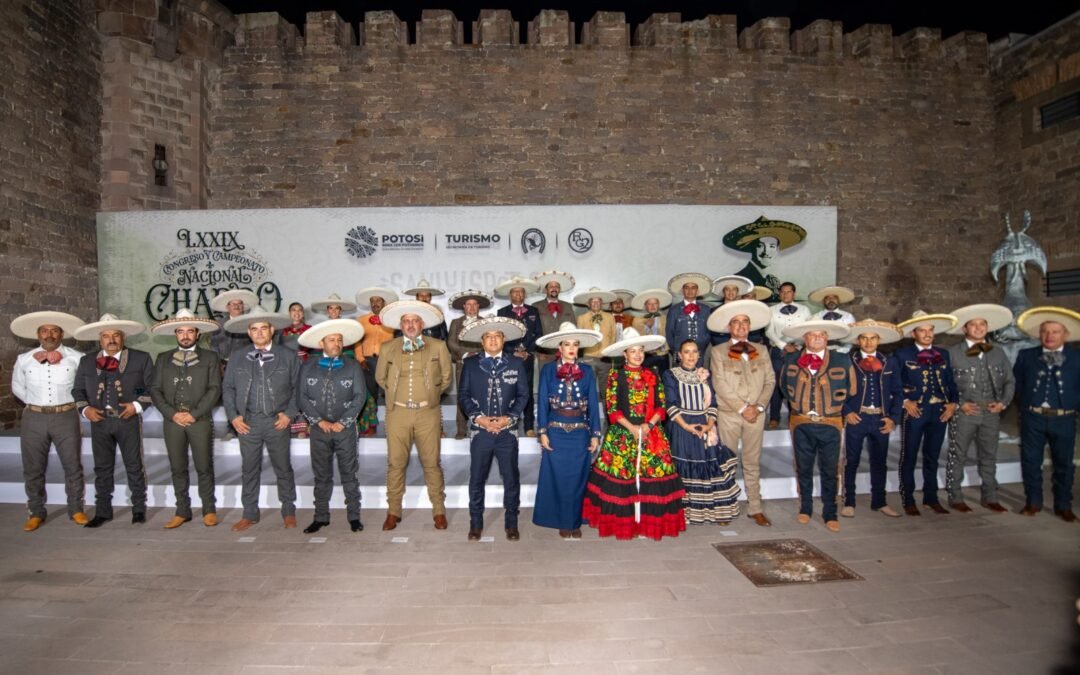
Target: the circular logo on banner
(533, 240)
(580, 240)
(361, 241)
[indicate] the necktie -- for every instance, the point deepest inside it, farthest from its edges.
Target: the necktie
(519, 311)
(810, 361)
(260, 356)
(979, 348)
(553, 308)
(690, 308)
(871, 364)
(929, 357)
(331, 363)
(375, 320)
(1053, 359)
(107, 363)
(832, 316)
(412, 345)
(568, 371)
(52, 357)
(788, 309)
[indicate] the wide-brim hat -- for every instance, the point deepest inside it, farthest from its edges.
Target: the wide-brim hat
(583, 298)
(350, 330)
(762, 292)
(703, 281)
(631, 338)
(423, 286)
(759, 313)
(940, 322)
(516, 281)
(744, 237)
(834, 329)
(185, 318)
(390, 316)
(512, 329)
(886, 332)
(844, 294)
(258, 314)
(638, 301)
(568, 331)
(26, 325)
(566, 280)
(364, 295)
(91, 331)
(1031, 320)
(333, 299)
(625, 294)
(742, 283)
(996, 316)
(220, 302)
(458, 300)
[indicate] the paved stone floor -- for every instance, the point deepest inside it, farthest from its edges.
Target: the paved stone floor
(976, 593)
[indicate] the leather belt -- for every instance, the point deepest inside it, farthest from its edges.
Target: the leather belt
(412, 405)
(831, 420)
(51, 409)
(870, 411)
(568, 426)
(110, 412)
(1051, 412)
(566, 413)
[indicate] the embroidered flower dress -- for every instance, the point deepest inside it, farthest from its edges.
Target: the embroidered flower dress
(626, 475)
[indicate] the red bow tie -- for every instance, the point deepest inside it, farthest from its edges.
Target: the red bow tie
(519, 311)
(53, 357)
(375, 320)
(553, 307)
(810, 361)
(107, 363)
(690, 308)
(871, 364)
(568, 371)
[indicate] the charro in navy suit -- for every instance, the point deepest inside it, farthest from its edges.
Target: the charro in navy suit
(879, 398)
(525, 349)
(687, 321)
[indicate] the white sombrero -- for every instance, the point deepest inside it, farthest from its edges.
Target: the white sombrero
(392, 313)
(350, 330)
(759, 313)
(26, 326)
(845, 295)
(333, 299)
(220, 302)
(512, 329)
(458, 300)
(703, 281)
(566, 281)
(364, 295)
(583, 298)
(742, 283)
(886, 332)
(996, 317)
(91, 331)
(184, 318)
(940, 322)
(1031, 320)
(423, 286)
(631, 338)
(625, 294)
(257, 314)
(662, 296)
(834, 329)
(516, 281)
(762, 293)
(568, 331)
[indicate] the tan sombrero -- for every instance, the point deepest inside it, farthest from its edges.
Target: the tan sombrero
(91, 331)
(744, 237)
(26, 326)
(566, 280)
(516, 281)
(834, 329)
(185, 318)
(675, 283)
(638, 301)
(996, 316)
(568, 331)
(631, 338)
(845, 295)
(762, 293)
(583, 298)
(350, 330)
(512, 329)
(257, 314)
(759, 313)
(333, 299)
(940, 322)
(220, 302)
(457, 300)
(625, 293)
(1031, 320)
(886, 332)
(364, 295)
(423, 286)
(743, 284)
(392, 313)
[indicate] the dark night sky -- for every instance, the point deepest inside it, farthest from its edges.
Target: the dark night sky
(996, 19)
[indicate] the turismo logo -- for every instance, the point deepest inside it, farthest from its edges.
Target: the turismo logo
(533, 241)
(472, 241)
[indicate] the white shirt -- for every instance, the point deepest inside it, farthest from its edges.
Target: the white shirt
(775, 331)
(43, 384)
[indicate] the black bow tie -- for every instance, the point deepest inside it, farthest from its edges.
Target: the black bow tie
(788, 309)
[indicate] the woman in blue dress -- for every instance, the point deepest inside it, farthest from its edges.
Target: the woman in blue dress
(707, 466)
(568, 422)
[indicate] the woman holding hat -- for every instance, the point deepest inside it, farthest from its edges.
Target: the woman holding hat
(633, 488)
(706, 466)
(568, 416)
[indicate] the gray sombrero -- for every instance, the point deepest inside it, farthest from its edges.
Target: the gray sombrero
(512, 329)
(220, 302)
(91, 331)
(184, 318)
(258, 314)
